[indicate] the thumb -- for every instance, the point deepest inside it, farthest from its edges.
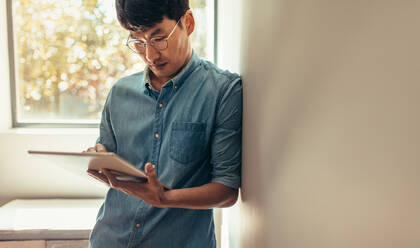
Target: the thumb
(100, 148)
(151, 174)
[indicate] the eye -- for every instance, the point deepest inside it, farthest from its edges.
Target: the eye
(157, 39)
(139, 42)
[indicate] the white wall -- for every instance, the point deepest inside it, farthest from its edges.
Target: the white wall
(331, 124)
(229, 57)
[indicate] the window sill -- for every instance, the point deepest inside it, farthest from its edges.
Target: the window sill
(51, 131)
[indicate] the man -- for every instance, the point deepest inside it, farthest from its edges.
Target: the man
(180, 120)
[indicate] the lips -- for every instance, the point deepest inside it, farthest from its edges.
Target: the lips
(158, 66)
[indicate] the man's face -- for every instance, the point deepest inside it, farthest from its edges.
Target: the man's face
(166, 63)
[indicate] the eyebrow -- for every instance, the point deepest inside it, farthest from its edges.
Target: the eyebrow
(156, 32)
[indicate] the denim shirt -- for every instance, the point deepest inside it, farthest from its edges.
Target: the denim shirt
(191, 131)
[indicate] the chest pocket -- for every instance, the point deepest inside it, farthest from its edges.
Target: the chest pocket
(187, 141)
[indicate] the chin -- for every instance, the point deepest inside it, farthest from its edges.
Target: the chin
(165, 74)
(161, 74)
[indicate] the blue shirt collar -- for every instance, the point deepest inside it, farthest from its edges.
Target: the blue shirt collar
(179, 79)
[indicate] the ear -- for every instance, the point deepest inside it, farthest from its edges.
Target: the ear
(189, 22)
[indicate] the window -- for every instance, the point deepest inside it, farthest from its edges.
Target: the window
(69, 53)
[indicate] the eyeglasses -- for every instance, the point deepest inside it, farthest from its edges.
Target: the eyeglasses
(160, 43)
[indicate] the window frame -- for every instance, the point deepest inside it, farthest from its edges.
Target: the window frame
(12, 76)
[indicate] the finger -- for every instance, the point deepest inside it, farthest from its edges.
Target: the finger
(117, 184)
(91, 149)
(151, 174)
(111, 178)
(100, 148)
(95, 173)
(98, 176)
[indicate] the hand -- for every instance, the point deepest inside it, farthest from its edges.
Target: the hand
(151, 192)
(97, 148)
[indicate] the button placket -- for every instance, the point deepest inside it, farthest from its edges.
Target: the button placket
(158, 125)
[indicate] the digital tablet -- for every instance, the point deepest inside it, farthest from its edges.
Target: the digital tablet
(80, 162)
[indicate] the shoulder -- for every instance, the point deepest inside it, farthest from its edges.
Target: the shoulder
(130, 83)
(125, 86)
(219, 79)
(220, 75)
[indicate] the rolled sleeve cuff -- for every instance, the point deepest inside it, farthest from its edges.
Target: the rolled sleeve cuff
(231, 182)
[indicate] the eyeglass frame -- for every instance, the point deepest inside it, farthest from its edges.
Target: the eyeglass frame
(151, 40)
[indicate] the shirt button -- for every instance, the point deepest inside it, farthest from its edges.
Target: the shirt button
(157, 136)
(137, 225)
(160, 105)
(176, 87)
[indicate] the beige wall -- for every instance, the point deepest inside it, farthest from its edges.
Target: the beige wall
(24, 176)
(331, 124)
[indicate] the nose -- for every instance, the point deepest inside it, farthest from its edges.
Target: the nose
(152, 54)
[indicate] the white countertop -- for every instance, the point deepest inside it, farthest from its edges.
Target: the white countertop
(49, 214)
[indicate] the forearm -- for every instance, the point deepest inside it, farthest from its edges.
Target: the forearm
(211, 195)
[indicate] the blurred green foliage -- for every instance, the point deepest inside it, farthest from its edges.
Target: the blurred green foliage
(69, 53)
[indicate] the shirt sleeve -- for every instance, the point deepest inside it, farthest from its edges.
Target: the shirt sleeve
(106, 132)
(226, 145)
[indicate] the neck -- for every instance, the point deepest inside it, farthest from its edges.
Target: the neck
(158, 82)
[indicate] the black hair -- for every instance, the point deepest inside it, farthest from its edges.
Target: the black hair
(140, 15)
